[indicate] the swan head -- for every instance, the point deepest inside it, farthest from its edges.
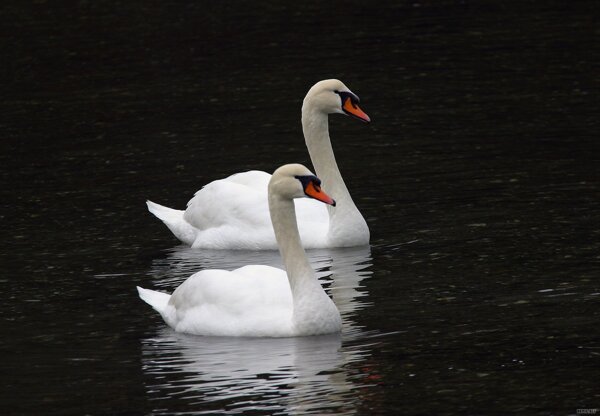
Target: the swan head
(332, 96)
(296, 181)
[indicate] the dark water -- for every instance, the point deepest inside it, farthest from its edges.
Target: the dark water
(479, 177)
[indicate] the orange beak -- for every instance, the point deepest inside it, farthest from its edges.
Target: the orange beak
(355, 111)
(314, 191)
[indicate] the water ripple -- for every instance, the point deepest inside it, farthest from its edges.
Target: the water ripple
(307, 375)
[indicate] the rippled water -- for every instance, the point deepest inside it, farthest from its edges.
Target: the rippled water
(479, 178)
(292, 375)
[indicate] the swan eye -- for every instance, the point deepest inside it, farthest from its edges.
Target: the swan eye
(345, 96)
(309, 179)
(312, 189)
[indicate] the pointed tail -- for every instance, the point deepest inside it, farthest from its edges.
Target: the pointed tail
(173, 218)
(163, 213)
(157, 300)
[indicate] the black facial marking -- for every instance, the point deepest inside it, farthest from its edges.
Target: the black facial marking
(306, 179)
(345, 95)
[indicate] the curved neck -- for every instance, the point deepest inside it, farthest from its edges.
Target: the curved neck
(299, 271)
(315, 126)
(346, 224)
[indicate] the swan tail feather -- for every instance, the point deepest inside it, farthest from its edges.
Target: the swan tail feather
(157, 300)
(173, 219)
(163, 213)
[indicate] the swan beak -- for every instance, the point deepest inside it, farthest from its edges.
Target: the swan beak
(314, 191)
(354, 110)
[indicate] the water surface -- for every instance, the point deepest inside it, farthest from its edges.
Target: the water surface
(478, 178)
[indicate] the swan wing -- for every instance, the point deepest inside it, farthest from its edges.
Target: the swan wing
(239, 200)
(232, 213)
(249, 301)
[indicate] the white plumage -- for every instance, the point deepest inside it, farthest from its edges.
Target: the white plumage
(232, 213)
(257, 300)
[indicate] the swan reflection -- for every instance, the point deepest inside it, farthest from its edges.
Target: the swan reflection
(232, 375)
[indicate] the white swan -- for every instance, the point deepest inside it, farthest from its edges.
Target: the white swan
(258, 301)
(232, 213)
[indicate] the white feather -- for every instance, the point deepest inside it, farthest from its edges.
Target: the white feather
(232, 213)
(256, 300)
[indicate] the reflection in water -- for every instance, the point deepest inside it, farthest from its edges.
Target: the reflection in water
(280, 374)
(295, 375)
(483, 152)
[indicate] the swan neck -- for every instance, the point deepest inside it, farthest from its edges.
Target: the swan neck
(315, 126)
(346, 224)
(297, 266)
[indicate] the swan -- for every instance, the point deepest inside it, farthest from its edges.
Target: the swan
(232, 213)
(258, 301)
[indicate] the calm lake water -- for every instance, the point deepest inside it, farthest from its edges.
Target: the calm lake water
(479, 177)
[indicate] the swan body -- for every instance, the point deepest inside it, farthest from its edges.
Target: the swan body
(258, 301)
(232, 213)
